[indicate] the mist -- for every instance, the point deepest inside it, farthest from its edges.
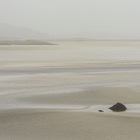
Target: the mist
(99, 19)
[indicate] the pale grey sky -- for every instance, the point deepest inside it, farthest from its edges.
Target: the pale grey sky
(83, 18)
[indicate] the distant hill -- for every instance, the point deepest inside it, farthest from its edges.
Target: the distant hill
(11, 32)
(24, 42)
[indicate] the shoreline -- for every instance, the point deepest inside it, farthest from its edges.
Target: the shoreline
(56, 93)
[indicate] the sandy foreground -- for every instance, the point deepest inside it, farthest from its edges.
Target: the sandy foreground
(55, 93)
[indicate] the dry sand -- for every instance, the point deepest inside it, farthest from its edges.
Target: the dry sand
(58, 96)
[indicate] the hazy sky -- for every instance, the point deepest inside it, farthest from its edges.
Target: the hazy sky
(85, 18)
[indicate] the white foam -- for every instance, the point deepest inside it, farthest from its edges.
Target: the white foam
(131, 108)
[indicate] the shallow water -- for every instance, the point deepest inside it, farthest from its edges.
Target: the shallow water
(67, 68)
(56, 92)
(72, 51)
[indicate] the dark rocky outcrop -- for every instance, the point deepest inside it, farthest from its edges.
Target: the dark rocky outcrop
(118, 107)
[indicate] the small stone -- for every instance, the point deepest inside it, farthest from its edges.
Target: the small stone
(101, 111)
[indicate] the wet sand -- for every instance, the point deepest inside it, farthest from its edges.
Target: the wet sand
(55, 93)
(34, 125)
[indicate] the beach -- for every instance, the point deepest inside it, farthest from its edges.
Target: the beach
(55, 92)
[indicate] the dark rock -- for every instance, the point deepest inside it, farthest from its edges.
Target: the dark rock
(118, 107)
(101, 111)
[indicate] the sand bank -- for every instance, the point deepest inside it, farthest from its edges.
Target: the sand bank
(55, 92)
